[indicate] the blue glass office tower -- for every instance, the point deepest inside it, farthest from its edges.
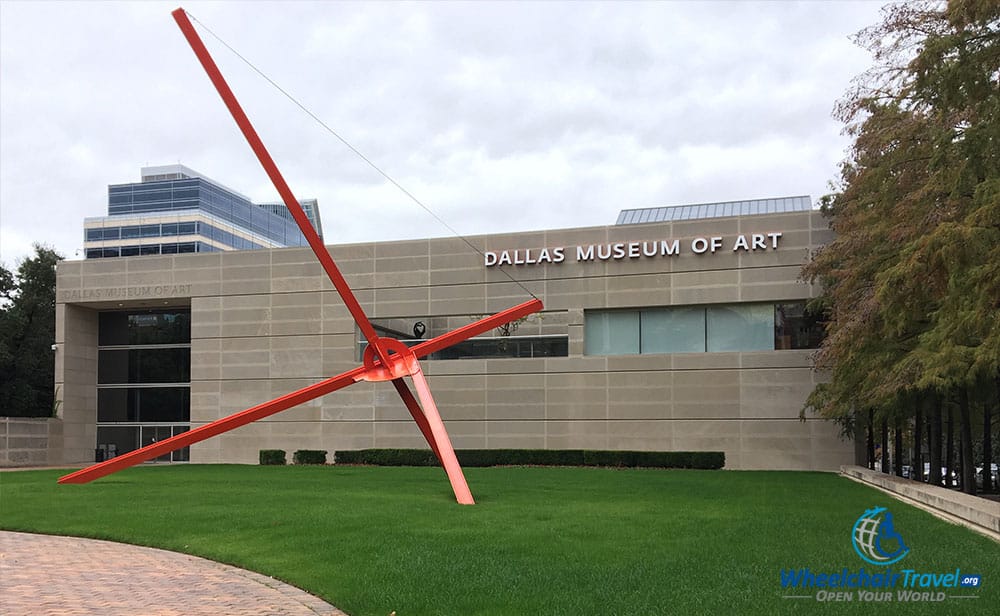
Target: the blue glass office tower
(175, 209)
(310, 206)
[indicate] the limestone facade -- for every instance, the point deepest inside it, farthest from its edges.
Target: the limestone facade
(266, 322)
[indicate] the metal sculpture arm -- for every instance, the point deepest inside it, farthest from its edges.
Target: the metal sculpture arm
(385, 359)
(277, 179)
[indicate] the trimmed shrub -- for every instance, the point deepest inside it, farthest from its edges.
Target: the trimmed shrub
(272, 457)
(708, 459)
(309, 456)
(538, 457)
(387, 457)
(520, 457)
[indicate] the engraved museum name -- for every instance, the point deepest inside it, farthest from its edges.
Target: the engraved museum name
(160, 290)
(617, 251)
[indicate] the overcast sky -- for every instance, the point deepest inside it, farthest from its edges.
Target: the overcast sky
(499, 117)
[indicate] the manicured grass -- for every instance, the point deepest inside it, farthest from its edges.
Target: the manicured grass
(539, 541)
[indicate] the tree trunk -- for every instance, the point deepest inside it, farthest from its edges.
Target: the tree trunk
(897, 448)
(968, 465)
(885, 447)
(934, 441)
(870, 443)
(959, 462)
(918, 427)
(996, 452)
(988, 447)
(949, 461)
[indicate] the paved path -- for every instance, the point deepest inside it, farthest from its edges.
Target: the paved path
(68, 576)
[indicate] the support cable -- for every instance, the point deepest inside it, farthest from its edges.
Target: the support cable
(367, 160)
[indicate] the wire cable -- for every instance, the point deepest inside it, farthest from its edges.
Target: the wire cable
(349, 146)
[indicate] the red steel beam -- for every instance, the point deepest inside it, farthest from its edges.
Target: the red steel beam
(295, 398)
(278, 180)
(418, 415)
(474, 329)
(446, 454)
(215, 428)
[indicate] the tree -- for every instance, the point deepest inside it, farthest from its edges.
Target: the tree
(27, 332)
(912, 280)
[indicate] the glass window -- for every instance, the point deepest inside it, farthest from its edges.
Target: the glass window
(95, 234)
(183, 454)
(185, 193)
(673, 330)
(130, 251)
(143, 404)
(740, 327)
(160, 327)
(502, 346)
(611, 333)
(167, 365)
(694, 329)
(797, 328)
(163, 404)
(112, 405)
(130, 232)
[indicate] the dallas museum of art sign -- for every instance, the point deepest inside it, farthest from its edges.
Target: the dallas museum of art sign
(748, 242)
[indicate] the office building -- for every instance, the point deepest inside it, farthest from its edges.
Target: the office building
(175, 210)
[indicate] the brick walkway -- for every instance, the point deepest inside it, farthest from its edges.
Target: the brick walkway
(68, 576)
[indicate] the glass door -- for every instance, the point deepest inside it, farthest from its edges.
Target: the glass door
(155, 434)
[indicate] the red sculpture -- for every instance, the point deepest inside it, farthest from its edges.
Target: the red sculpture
(385, 359)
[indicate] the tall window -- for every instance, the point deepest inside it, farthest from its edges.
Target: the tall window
(700, 329)
(143, 380)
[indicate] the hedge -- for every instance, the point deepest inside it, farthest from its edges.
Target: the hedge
(538, 457)
(309, 456)
(272, 457)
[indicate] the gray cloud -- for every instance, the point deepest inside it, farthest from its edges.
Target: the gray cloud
(499, 116)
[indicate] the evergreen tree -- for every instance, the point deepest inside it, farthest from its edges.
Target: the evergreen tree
(912, 280)
(27, 332)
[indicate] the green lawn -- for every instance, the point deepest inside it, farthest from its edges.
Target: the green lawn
(539, 541)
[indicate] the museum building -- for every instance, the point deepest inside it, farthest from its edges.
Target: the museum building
(677, 328)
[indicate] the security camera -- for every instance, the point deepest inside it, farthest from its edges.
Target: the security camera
(55, 346)
(418, 330)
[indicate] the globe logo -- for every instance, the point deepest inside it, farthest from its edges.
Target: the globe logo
(876, 540)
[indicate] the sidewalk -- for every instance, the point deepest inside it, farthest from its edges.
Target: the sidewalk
(69, 576)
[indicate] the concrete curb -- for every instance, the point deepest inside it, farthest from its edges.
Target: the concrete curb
(978, 514)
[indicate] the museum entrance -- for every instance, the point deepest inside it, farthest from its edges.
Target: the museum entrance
(116, 438)
(143, 381)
